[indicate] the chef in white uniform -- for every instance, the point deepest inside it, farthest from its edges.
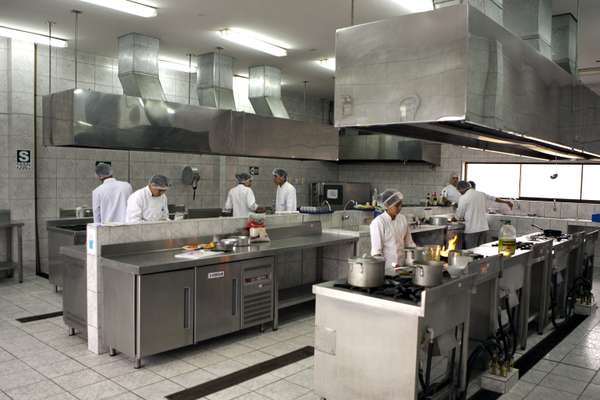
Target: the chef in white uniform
(390, 231)
(109, 200)
(240, 199)
(472, 207)
(495, 203)
(285, 198)
(149, 203)
(450, 193)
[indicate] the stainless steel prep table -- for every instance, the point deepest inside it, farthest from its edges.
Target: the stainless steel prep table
(10, 264)
(63, 232)
(127, 266)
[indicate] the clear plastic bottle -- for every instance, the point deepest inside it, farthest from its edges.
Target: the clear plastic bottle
(507, 239)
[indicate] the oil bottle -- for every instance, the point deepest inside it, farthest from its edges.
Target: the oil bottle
(507, 239)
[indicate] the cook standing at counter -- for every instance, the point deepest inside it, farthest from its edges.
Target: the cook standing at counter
(285, 198)
(109, 200)
(149, 204)
(472, 208)
(240, 199)
(390, 232)
(450, 194)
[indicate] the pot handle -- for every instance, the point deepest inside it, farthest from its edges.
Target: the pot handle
(362, 268)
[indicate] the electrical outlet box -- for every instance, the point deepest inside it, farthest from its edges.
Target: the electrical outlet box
(585, 309)
(500, 384)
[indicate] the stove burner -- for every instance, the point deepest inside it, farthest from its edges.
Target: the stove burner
(394, 288)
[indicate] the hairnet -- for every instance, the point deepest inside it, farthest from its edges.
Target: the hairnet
(243, 177)
(280, 172)
(463, 185)
(159, 182)
(453, 175)
(103, 170)
(472, 184)
(390, 197)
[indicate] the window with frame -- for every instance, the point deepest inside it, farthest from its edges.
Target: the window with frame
(499, 180)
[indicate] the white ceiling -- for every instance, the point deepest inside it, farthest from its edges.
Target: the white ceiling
(186, 26)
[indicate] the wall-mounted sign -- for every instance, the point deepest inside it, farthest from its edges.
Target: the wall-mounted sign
(23, 159)
(104, 162)
(253, 171)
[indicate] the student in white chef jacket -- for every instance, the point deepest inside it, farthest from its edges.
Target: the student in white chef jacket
(450, 193)
(495, 203)
(109, 200)
(285, 198)
(149, 203)
(472, 207)
(390, 232)
(240, 199)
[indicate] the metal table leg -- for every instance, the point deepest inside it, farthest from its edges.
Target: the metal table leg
(524, 308)
(275, 297)
(20, 252)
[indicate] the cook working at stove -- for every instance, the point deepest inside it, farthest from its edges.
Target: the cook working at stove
(390, 232)
(149, 203)
(472, 207)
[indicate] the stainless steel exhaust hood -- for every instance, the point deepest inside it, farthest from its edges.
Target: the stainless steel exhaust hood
(376, 147)
(455, 76)
(85, 118)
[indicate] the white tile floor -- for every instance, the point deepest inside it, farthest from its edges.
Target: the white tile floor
(39, 361)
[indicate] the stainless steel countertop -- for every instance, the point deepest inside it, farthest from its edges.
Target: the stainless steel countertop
(164, 260)
(488, 249)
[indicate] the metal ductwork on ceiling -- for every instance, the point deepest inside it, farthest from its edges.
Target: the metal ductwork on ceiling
(215, 81)
(355, 146)
(138, 66)
(453, 75)
(142, 120)
(264, 91)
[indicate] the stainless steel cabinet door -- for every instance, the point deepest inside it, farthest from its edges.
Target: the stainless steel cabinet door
(165, 311)
(217, 300)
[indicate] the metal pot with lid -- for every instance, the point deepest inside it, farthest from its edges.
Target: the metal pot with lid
(366, 271)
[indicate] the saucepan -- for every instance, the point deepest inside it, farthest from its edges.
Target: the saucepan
(548, 232)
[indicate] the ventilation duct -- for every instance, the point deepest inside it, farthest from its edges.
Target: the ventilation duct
(453, 75)
(215, 81)
(531, 20)
(138, 66)
(264, 91)
(564, 42)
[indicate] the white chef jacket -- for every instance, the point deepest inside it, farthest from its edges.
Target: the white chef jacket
(142, 206)
(285, 199)
(472, 208)
(451, 193)
(109, 201)
(241, 200)
(389, 237)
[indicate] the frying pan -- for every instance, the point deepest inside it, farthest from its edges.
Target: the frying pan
(548, 232)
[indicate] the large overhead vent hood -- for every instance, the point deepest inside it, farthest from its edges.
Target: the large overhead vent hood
(142, 119)
(86, 118)
(359, 146)
(454, 75)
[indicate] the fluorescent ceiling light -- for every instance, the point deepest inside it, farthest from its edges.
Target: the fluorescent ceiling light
(126, 6)
(255, 41)
(26, 36)
(176, 65)
(416, 5)
(328, 63)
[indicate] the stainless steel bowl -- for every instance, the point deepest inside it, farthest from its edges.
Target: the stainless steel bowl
(242, 241)
(226, 244)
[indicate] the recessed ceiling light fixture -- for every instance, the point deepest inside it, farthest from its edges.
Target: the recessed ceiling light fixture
(127, 6)
(328, 63)
(255, 41)
(19, 34)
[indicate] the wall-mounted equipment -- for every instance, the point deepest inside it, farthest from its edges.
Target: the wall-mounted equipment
(191, 176)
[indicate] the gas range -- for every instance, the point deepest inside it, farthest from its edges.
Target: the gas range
(394, 288)
(540, 237)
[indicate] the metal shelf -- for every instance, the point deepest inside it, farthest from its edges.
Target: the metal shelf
(295, 295)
